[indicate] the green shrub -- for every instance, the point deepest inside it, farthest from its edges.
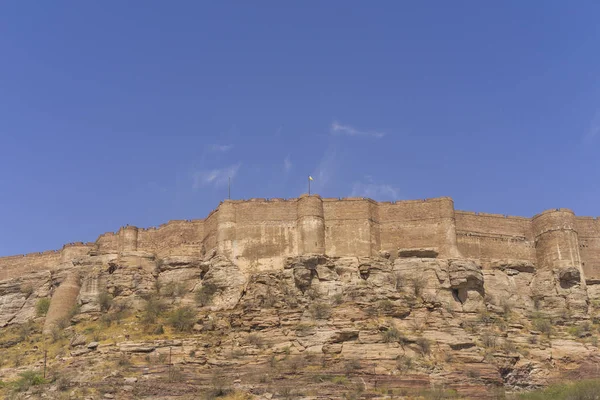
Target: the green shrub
(320, 310)
(509, 346)
(404, 363)
(582, 390)
(42, 306)
(183, 319)
(418, 284)
(424, 345)
(26, 330)
(543, 324)
(393, 335)
(351, 365)
(174, 289)
(27, 290)
(205, 294)
(438, 394)
(153, 309)
(255, 339)
(104, 301)
(338, 299)
(123, 360)
(489, 340)
(28, 379)
(385, 305)
(56, 333)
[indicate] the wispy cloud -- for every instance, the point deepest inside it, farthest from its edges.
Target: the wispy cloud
(594, 129)
(325, 170)
(340, 129)
(374, 191)
(215, 177)
(287, 164)
(220, 148)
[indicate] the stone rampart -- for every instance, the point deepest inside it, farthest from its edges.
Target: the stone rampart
(263, 232)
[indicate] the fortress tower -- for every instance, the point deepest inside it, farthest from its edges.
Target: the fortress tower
(556, 239)
(226, 229)
(128, 237)
(310, 225)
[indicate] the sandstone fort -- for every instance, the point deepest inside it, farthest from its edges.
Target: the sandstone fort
(298, 295)
(263, 232)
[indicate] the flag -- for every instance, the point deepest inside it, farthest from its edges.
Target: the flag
(310, 178)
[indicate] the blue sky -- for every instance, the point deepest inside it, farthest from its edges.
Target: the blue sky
(115, 113)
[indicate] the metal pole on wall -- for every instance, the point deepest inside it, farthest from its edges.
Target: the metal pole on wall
(229, 189)
(309, 185)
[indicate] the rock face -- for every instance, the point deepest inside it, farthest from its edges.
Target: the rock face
(405, 323)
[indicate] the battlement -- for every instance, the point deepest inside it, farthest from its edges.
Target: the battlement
(267, 230)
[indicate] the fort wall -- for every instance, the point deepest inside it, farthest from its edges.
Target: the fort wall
(588, 230)
(494, 236)
(419, 224)
(263, 232)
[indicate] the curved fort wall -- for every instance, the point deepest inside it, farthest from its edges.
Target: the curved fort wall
(264, 232)
(588, 230)
(556, 240)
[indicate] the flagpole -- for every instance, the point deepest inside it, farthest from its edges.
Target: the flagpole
(309, 185)
(229, 189)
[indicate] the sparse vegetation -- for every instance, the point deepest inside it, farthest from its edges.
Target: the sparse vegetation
(580, 330)
(320, 310)
(418, 284)
(105, 300)
(183, 319)
(485, 317)
(393, 335)
(424, 345)
(302, 328)
(404, 363)
(174, 289)
(204, 295)
(27, 290)
(385, 305)
(338, 299)
(351, 365)
(507, 307)
(153, 308)
(56, 334)
(533, 339)
(582, 390)
(398, 281)
(489, 340)
(508, 346)
(28, 379)
(542, 324)
(255, 339)
(42, 306)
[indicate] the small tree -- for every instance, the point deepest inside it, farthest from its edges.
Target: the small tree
(153, 308)
(205, 294)
(104, 300)
(424, 345)
(418, 284)
(183, 319)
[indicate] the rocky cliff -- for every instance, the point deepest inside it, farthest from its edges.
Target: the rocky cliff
(131, 325)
